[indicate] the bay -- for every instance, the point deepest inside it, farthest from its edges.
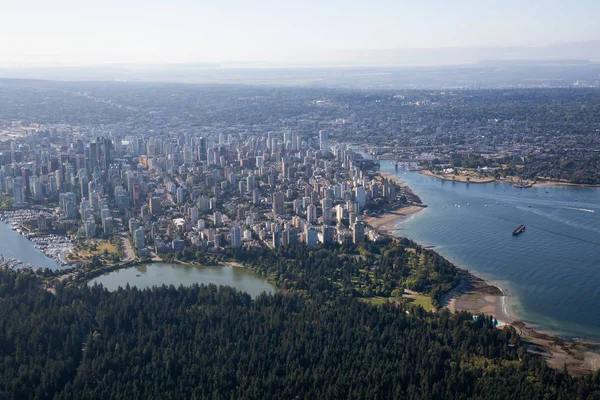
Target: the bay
(550, 273)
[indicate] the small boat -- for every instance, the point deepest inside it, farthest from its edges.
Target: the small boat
(528, 205)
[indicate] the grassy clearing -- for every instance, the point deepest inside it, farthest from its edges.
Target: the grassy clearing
(101, 248)
(421, 300)
(375, 301)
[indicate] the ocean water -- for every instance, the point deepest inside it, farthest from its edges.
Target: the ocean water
(550, 273)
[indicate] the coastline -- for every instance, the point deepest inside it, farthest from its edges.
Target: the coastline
(477, 296)
(443, 178)
(544, 183)
(386, 222)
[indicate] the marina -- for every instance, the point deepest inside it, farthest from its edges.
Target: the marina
(28, 246)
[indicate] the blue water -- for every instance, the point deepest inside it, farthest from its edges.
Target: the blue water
(18, 246)
(551, 273)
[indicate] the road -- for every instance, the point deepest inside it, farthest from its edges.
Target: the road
(127, 249)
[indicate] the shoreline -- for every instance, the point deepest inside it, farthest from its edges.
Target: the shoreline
(386, 222)
(443, 178)
(545, 183)
(477, 296)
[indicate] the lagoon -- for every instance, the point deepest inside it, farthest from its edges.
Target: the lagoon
(157, 274)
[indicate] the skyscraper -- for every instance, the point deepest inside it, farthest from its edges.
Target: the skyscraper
(18, 193)
(236, 236)
(361, 196)
(92, 156)
(202, 149)
(311, 214)
(358, 232)
(324, 141)
(139, 238)
(278, 200)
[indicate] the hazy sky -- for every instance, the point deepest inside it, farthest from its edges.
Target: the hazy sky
(153, 31)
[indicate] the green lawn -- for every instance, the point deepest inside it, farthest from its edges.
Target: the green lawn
(421, 300)
(376, 300)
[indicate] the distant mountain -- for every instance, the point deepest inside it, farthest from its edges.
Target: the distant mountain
(556, 65)
(574, 51)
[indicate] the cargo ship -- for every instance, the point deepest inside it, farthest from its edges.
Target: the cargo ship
(519, 230)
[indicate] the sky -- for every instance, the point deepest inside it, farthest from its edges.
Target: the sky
(90, 32)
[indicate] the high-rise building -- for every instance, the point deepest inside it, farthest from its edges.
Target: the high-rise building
(203, 203)
(278, 202)
(179, 195)
(202, 149)
(18, 192)
(134, 224)
(90, 228)
(250, 185)
(42, 223)
(236, 236)
(37, 188)
(106, 153)
(92, 157)
(276, 239)
(311, 214)
(255, 197)
(194, 215)
(327, 215)
(358, 232)
(297, 206)
(107, 225)
(361, 196)
(312, 237)
(324, 141)
(139, 238)
(155, 206)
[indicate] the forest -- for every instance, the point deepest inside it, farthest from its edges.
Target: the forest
(383, 268)
(207, 342)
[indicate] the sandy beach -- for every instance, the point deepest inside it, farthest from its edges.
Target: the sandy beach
(473, 294)
(478, 297)
(392, 177)
(386, 222)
